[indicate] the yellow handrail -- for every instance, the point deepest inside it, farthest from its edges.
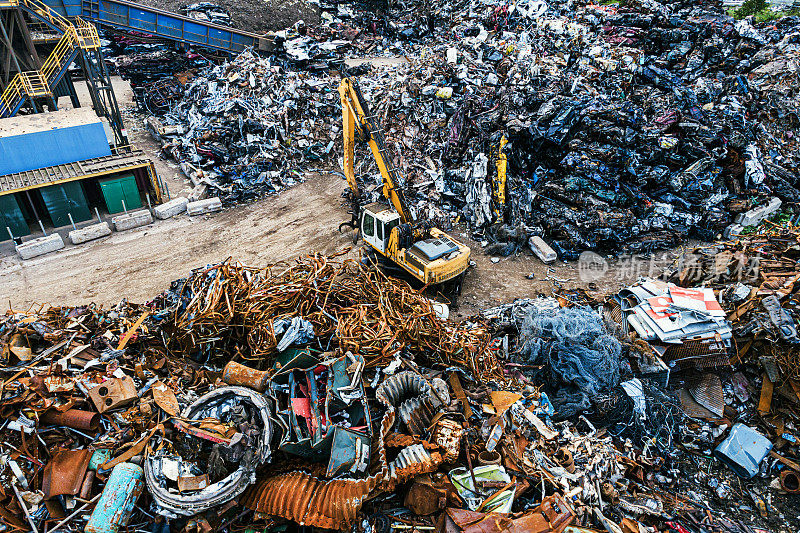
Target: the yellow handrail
(63, 50)
(86, 33)
(11, 95)
(44, 11)
(81, 35)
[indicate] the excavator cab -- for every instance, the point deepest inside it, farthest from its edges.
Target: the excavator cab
(377, 222)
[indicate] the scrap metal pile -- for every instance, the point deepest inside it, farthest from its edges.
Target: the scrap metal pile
(243, 128)
(630, 127)
(623, 127)
(325, 394)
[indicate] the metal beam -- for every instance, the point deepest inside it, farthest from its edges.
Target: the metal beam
(26, 36)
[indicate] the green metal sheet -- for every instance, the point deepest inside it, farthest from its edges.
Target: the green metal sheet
(119, 189)
(11, 216)
(64, 199)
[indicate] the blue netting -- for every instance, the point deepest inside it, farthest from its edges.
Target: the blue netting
(578, 358)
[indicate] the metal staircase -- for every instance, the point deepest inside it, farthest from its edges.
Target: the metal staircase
(30, 85)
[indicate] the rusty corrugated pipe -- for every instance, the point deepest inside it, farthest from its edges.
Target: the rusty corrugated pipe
(413, 397)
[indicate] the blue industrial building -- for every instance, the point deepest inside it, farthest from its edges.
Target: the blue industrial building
(55, 167)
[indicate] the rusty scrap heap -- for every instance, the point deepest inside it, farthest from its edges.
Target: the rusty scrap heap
(323, 394)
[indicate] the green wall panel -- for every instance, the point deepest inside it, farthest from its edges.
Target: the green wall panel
(117, 189)
(63, 199)
(11, 216)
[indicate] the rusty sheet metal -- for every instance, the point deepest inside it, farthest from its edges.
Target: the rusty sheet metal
(65, 471)
(165, 398)
(72, 418)
(19, 347)
(552, 516)
(192, 483)
(113, 393)
(401, 440)
(426, 497)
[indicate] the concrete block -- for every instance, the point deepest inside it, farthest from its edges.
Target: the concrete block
(133, 219)
(542, 250)
(199, 192)
(732, 232)
(89, 233)
(758, 214)
(40, 246)
(176, 206)
(201, 207)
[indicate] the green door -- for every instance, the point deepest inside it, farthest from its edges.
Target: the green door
(64, 199)
(119, 189)
(11, 216)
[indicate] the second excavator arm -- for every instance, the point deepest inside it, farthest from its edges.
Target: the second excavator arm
(356, 120)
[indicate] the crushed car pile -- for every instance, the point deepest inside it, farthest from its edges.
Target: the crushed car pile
(325, 394)
(622, 127)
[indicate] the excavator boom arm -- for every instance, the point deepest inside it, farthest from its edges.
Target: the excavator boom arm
(356, 119)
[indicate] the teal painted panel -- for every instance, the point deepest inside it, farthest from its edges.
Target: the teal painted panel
(117, 189)
(63, 199)
(12, 217)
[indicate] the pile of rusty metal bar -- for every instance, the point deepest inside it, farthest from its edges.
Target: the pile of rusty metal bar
(324, 394)
(231, 311)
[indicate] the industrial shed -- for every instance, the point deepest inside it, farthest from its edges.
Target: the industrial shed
(56, 168)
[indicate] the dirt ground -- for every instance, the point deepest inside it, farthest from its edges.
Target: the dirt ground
(140, 263)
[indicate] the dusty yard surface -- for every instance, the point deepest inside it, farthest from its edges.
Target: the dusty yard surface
(140, 263)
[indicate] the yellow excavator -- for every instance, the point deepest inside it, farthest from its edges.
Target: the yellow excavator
(427, 253)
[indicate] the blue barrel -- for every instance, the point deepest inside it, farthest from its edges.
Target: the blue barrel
(114, 508)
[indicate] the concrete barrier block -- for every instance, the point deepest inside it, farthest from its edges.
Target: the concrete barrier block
(758, 214)
(732, 232)
(40, 246)
(542, 249)
(176, 206)
(201, 207)
(89, 233)
(133, 219)
(199, 192)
